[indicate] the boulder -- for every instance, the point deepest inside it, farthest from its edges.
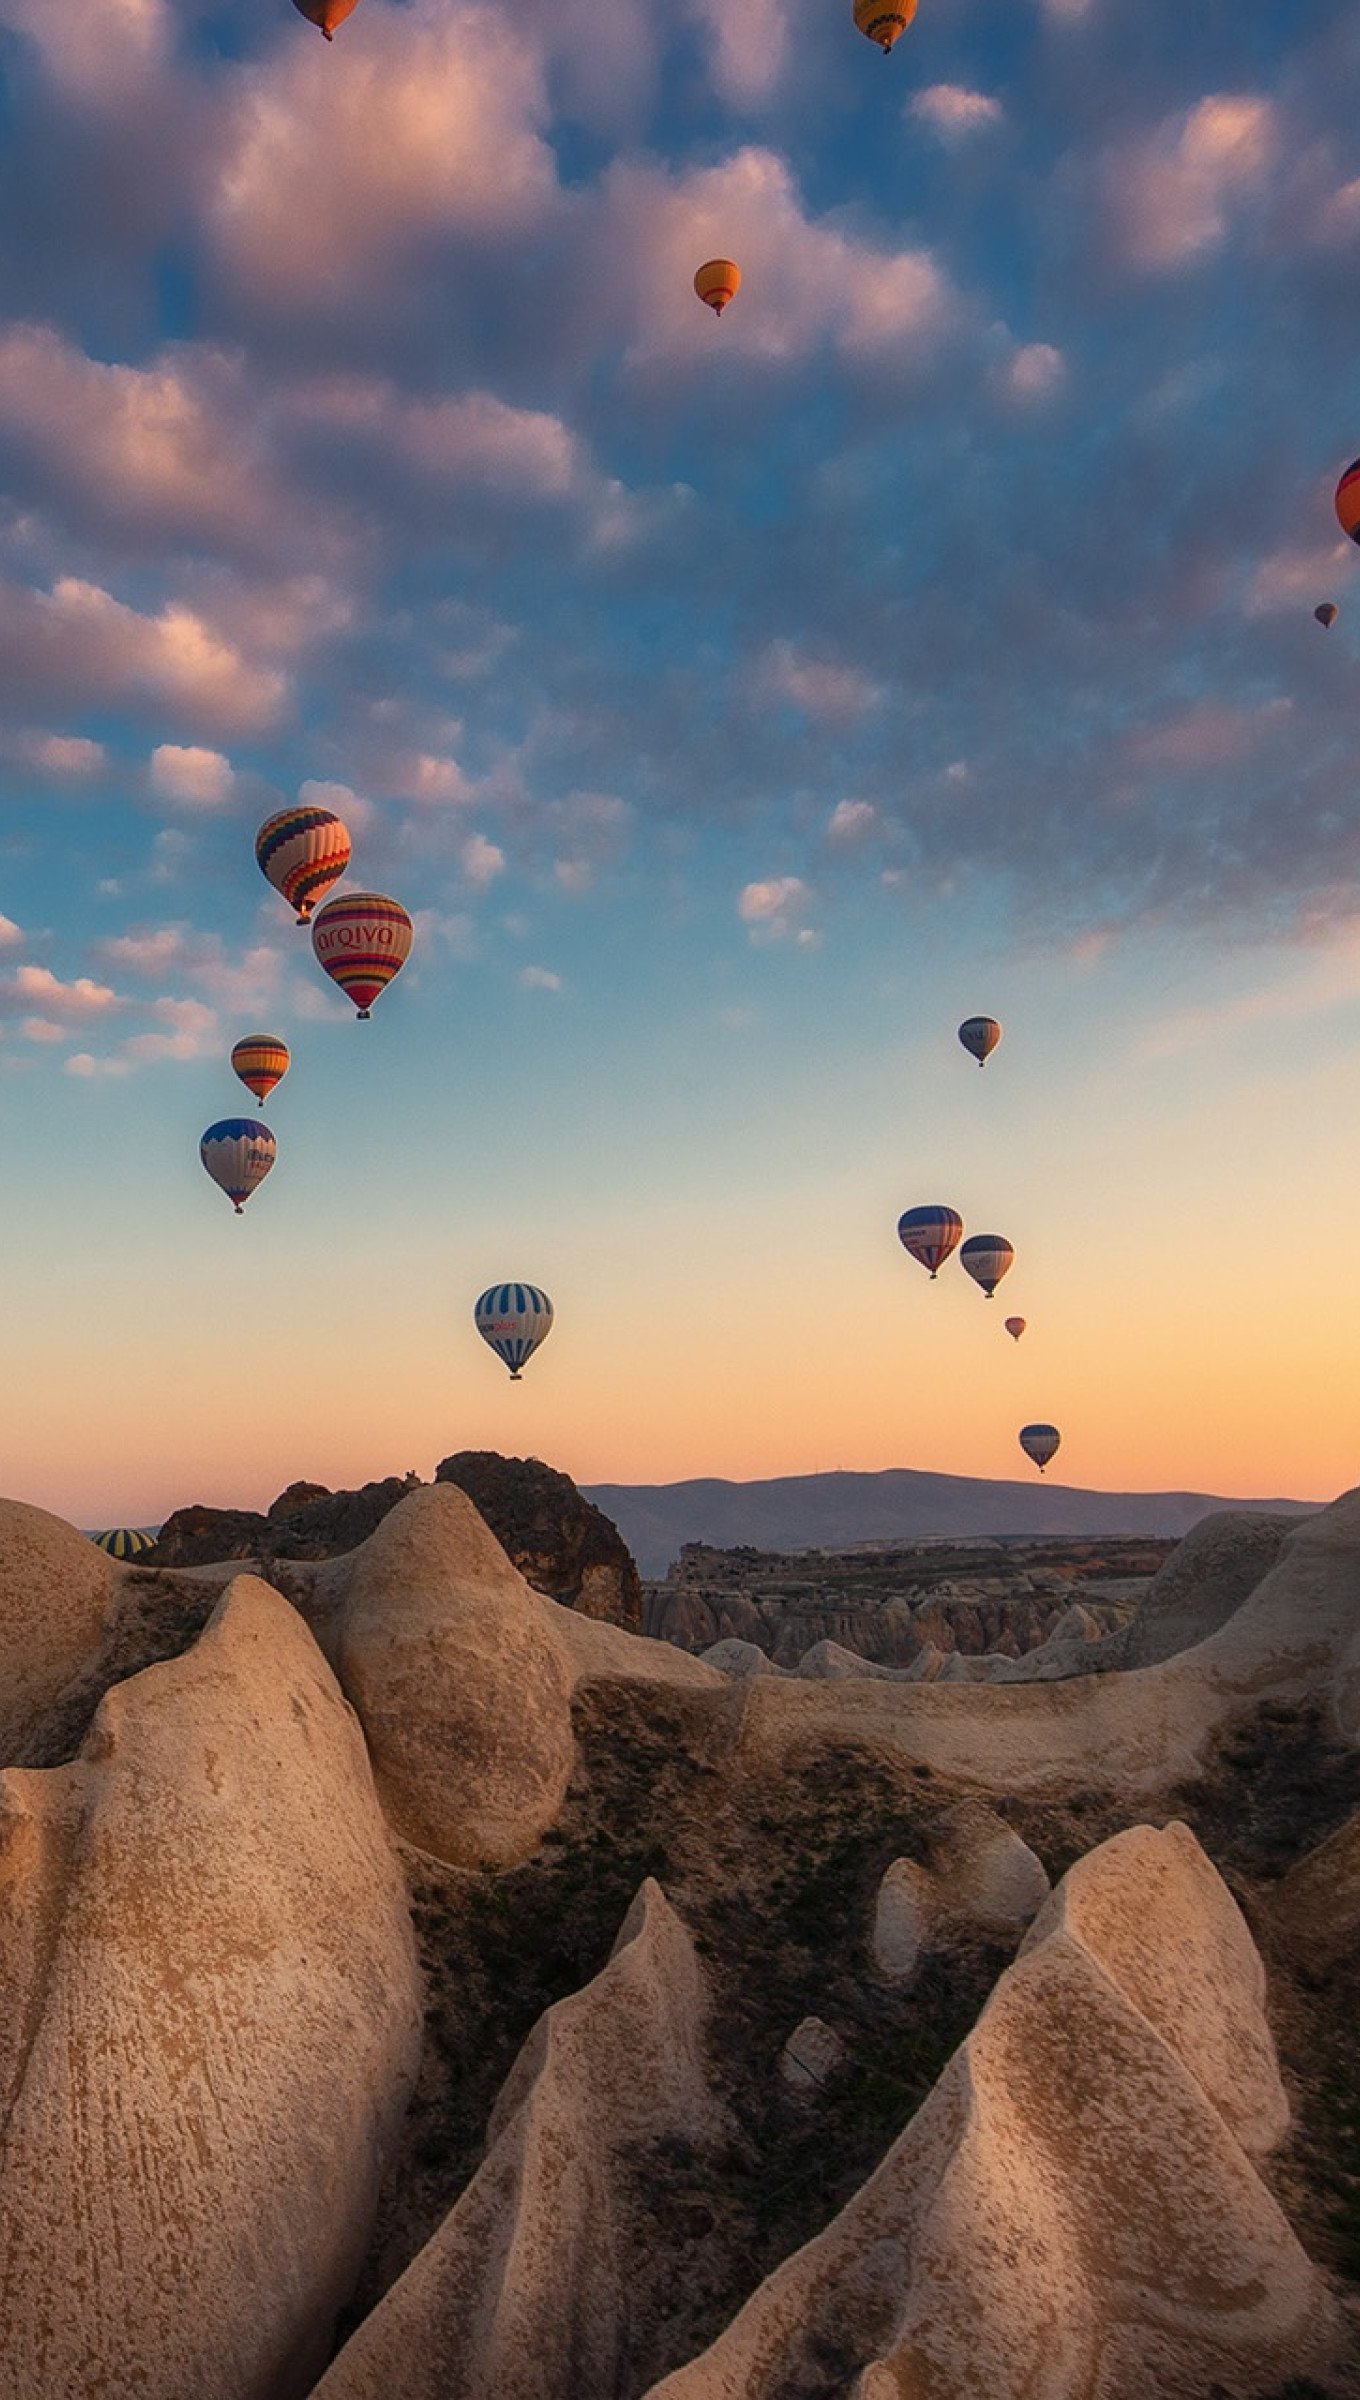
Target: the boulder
(298, 1496)
(904, 1913)
(1203, 1583)
(1076, 2212)
(984, 1872)
(528, 2288)
(740, 1658)
(57, 1594)
(326, 1525)
(562, 1544)
(209, 2023)
(813, 2054)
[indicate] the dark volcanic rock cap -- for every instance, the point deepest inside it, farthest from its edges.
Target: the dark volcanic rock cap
(562, 1544)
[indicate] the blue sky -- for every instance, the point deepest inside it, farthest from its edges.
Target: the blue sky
(735, 705)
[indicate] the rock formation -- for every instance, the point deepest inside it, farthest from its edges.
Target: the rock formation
(57, 1593)
(208, 2026)
(562, 1544)
(1076, 2213)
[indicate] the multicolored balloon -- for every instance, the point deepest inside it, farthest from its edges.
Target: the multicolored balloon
(1348, 501)
(326, 14)
(124, 1541)
(362, 941)
(1015, 1326)
(987, 1257)
(1327, 613)
(717, 282)
(1041, 1443)
(238, 1153)
(514, 1318)
(261, 1060)
(883, 21)
(930, 1235)
(979, 1036)
(302, 852)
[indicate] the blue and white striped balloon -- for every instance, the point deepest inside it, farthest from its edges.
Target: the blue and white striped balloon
(514, 1318)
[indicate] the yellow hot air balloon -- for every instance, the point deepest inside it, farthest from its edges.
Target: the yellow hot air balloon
(717, 282)
(883, 21)
(326, 14)
(261, 1060)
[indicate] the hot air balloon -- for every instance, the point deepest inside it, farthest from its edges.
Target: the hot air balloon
(987, 1257)
(979, 1036)
(124, 1541)
(1041, 1443)
(883, 20)
(261, 1060)
(238, 1154)
(1015, 1326)
(929, 1235)
(1348, 501)
(303, 851)
(327, 14)
(717, 282)
(514, 1318)
(362, 941)
(1327, 614)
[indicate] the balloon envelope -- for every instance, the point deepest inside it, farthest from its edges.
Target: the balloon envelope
(514, 1318)
(302, 852)
(238, 1153)
(261, 1060)
(362, 941)
(124, 1541)
(987, 1257)
(326, 14)
(1348, 501)
(979, 1036)
(1327, 613)
(717, 282)
(929, 1235)
(883, 21)
(1041, 1443)
(1015, 1326)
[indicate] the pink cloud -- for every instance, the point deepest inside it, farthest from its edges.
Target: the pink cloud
(1208, 735)
(777, 909)
(81, 645)
(1172, 193)
(831, 691)
(955, 113)
(37, 990)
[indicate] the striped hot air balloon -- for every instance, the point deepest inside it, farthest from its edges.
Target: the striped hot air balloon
(884, 21)
(362, 940)
(987, 1257)
(124, 1541)
(717, 281)
(514, 1318)
(930, 1235)
(1041, 1443)
(261, 1060)
(979, 1036)
(302, 852)
(238, 1153)
(1348, 501)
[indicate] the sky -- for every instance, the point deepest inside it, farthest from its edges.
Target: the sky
(735, 705)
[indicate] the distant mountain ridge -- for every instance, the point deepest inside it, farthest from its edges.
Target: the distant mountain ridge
(832, 1512)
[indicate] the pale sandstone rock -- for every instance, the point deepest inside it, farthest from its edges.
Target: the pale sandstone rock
(732, 1657)
(1204, 1583)
(811, 2056)
(525, 2291)
(57, 1592)
(904, 1913)
(984, 1872)
(209, 2020)
(1317, 1904)
(1074, 2214)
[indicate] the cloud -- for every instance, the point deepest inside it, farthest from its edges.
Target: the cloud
(1210, 734)
(356, 814)
(69, 757)
(190, 777)
(1295, 578)
(11, 935)
(748, 48)
(44, 1029)
(481, 861)
(955, 113)
(539, 979)
(228, 978)
(78, 645)
(36, 990)
(1034, 373)
(333, 184)
(94, 55)
(851, 822)
(1172, 193)
(82, 1064)
(776, 910)
(830, 690)
(186, 1028)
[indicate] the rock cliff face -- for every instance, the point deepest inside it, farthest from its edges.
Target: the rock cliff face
(563, 1545)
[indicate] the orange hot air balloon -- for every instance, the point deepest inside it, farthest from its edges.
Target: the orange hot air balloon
(1348, 501)
(362, 941)
(326, 14)
(883, 21)
(302, 851)
(1015, 1326)
(717, 282)
(261, 1060)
